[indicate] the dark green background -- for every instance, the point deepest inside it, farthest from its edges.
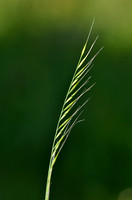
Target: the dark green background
(40, 43)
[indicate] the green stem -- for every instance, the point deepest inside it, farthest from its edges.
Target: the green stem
(48, 183)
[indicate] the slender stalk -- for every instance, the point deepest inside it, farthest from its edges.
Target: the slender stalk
(48, 183)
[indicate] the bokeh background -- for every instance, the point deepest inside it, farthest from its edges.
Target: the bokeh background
(40, 43)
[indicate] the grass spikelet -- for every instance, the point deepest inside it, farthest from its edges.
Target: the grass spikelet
(69, 115)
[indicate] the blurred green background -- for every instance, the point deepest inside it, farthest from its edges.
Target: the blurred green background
(40, 43)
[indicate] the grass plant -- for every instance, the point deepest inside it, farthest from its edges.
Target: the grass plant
(70, 115)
